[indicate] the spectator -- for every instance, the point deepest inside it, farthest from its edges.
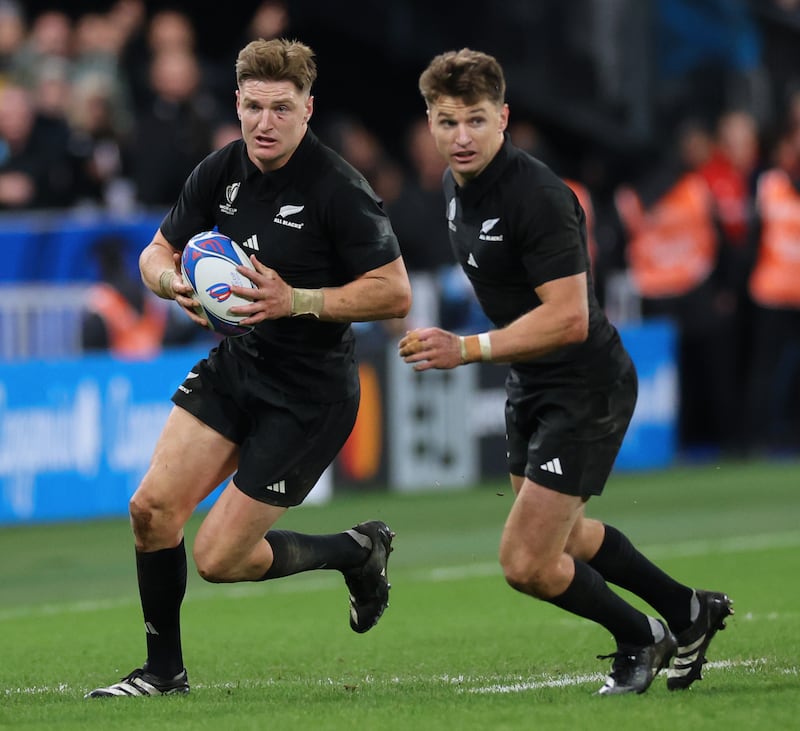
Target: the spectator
(122, 316)
(50, 38)
(97, 141)
(774, 286)
(175, 132)
(34, 166)
(730, 172)
(269, 20)
(672, 249)
(224, 133)
(97, 53)
(12, 35)
(169, 31)
(362, 148)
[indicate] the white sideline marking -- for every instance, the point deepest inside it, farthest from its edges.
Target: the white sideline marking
(518, 685)
(570, 680)
(684, 549)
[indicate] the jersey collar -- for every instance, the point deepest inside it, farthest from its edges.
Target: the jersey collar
(475, 189)
(275, 180)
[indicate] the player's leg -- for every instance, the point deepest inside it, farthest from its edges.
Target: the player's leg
(189, 461)
(281, 460)
(235, 543)
(535, 562)
(693, 616)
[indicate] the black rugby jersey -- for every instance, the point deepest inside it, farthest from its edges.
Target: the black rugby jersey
(316, 222)
(514, 227)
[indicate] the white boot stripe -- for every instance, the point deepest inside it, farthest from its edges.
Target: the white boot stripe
(693, 646)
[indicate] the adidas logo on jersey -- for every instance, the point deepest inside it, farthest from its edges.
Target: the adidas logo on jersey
(251, 242)
(552, 465)
(279, 486)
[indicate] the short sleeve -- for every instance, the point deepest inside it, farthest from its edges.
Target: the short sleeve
(192, 212)
(552, 236)
(360, 229)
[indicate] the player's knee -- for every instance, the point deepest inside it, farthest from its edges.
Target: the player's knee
(209, 570)
(212, 566)
(144, 515)
(524, 575)
(155, 525)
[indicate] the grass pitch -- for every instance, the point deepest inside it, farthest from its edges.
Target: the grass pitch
(456, 649)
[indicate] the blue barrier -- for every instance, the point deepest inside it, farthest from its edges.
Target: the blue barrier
(58, 248)
(76, 436)
(652, 438)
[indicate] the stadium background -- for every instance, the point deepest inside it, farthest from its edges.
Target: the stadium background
(605, 83)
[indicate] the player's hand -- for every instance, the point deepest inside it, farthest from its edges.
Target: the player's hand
(430, 347)
(272, 297)
(183, 293)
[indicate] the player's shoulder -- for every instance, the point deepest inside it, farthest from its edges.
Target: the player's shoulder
(229, 156)
(335, 178)
(221, 167)
(333, 166)
(533, 171)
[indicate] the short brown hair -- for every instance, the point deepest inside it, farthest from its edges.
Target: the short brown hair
(277, 60)
(466, 74)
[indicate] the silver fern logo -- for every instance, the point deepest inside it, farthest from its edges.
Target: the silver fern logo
(487, 226)
(284, 212)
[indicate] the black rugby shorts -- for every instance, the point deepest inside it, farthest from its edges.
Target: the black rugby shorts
(285, 443)
(567, 438)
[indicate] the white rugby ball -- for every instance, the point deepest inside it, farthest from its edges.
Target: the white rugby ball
(209, 264)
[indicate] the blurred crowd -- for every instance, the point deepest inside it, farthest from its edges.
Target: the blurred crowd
(113, 109)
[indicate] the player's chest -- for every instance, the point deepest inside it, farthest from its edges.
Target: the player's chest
(482, 239)
(282, 231)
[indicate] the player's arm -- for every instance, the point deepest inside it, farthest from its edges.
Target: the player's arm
(379, 294)
(561, 319)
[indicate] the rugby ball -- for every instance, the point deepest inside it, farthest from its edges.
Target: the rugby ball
(208, 264)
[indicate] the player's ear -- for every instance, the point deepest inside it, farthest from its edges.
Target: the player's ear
(504, 117)
(309, 109)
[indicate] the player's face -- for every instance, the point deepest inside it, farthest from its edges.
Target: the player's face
(274, 116)
(467, 137)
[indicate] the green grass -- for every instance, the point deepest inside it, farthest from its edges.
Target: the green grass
(457, 649)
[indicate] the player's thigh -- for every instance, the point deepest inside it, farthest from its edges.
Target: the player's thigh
(189, 460)
(234, 527)
(539, 523)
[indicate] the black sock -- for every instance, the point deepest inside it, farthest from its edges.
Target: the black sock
(295, 552)
(162, 586)
(590, 597)
(620, 563)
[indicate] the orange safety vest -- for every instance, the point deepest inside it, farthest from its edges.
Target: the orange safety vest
(775, 281)
(131, 334)
(672, 246)
(585, 199)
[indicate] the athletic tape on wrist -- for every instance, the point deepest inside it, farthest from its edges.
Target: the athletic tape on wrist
(165, 284)
(475, 348)
(486, 346)
(307, 302)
